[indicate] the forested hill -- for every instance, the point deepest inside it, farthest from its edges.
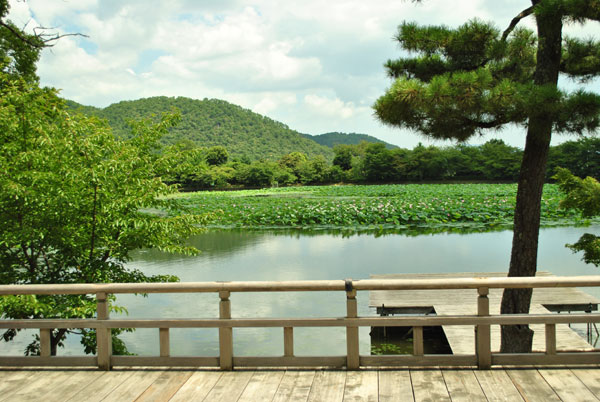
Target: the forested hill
(211, 122)
(335, 138)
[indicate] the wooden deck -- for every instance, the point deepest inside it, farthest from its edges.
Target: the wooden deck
(503, 384)
(452, 302)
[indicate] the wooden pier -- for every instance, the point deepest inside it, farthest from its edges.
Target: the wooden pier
(461, 338)
(431, 384)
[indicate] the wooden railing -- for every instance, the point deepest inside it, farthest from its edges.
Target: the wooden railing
(482, 355)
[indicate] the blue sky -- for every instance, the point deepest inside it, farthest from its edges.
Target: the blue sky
(316, 66)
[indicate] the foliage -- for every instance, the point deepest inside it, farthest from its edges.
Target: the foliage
(582, 195)
(212, 122)
(381, 206)
(343, 157)
(462, 82)
(581, 157)
(378, 163)
(292, 162)
(74, 201)
(332, 139)
(392, 349)
(216, 155)
(313, 171)
(256, 174)
(373, 163)
(471, 79)
(19, 51)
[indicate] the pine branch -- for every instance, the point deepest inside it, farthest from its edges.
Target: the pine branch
(525, 13)
(581, 59)
(486, 124)
(582, 10)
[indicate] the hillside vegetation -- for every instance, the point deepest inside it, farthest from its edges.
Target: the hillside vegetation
(212, 122)
(336, 138)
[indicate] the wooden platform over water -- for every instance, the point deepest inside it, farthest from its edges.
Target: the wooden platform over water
(432, 384)
(455, 302)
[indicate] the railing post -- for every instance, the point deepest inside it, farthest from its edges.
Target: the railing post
(103, 335)
(288, 341)
(550, 339)
(45, 339)
(418, 349)
(482, 332)
(225, 333)
(165, 347)
(352, 359)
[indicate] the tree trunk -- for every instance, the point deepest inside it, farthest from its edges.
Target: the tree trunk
(523, 262)
(55, 340)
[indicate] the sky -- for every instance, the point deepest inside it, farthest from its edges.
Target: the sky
(315, 65)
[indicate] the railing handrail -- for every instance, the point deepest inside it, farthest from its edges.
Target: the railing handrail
(481, 321)
(305, 286)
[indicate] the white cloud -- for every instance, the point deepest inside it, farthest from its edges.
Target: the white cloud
(272, 101)
(316, 66)
(192, 40)
(334, 108)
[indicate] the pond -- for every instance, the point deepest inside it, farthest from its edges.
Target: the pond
(238, 255)
(297, 255)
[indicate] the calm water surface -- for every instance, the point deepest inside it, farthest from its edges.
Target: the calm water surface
(255, 256)
(252, 256)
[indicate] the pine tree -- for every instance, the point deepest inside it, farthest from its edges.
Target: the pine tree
(462, 82)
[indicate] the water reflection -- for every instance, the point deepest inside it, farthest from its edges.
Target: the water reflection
(241, 255)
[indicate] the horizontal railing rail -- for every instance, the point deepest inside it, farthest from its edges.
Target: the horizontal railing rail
(482, 355)
(305, 286)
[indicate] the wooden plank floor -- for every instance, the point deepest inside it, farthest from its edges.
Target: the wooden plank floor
(464, 301)
(431, 384)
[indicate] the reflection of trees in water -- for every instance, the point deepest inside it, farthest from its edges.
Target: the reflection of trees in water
(220, 242)
(378, 231)
(211, 243)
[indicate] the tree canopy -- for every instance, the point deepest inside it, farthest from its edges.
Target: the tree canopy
(582, 195)
(20, 50)
(74, 201)
(460, 82)
(465, 81)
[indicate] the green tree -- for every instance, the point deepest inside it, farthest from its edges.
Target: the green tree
(581, 157)
(74, 201)
(20, 51)
(584, 196)
(378, 163)
(313, 171)
(217, 155)
(186, 163)
(500, 161)
(292, 161)
(257, 174)
(474, 78)
(427, 163)
(343, 156)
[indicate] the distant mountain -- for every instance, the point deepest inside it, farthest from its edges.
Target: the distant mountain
(211, 122)
(331, 139)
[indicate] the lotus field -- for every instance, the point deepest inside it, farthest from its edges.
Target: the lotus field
(381, 206)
